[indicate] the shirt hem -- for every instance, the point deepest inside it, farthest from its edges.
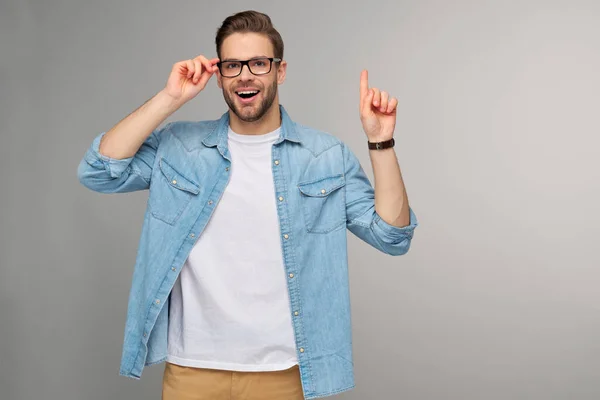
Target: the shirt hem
(230, 366)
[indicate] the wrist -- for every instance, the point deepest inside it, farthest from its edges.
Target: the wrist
(378, 144)
(167, 102)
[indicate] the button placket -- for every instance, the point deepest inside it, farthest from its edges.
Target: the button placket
(286, 237)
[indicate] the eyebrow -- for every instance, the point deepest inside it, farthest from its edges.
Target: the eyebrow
(237, 59)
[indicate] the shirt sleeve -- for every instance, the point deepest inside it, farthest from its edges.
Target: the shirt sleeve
(110, 175)
(362, 219)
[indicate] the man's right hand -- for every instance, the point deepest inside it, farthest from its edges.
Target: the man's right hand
(189, 77)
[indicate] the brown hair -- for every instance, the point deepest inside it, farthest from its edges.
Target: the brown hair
(250, 22)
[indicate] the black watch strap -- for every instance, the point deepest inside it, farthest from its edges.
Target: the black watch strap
(381, 145)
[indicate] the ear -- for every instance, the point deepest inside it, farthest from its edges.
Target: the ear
(281, 71)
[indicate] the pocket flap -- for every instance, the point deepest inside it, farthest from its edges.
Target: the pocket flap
(322, 187)
(176, 179)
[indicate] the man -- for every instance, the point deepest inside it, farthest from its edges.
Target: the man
(241, 279)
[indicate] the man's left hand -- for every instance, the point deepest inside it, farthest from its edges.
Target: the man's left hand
(377, 111)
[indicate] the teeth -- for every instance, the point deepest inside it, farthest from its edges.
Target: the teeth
(249, 92)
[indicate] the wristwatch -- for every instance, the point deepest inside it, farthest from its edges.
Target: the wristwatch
(381, 145)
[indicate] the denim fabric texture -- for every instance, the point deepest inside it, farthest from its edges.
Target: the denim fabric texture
(320, 191)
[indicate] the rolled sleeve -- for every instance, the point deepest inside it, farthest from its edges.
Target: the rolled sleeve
(114, 167)
(394, 234)
(110, 175)
(362, 219)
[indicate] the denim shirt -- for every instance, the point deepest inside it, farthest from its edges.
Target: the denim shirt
(320, 189)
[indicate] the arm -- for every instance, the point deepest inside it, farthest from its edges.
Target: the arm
(125, 138)
(121, 159)
(391, 200)
(364, 214)
(381, 217)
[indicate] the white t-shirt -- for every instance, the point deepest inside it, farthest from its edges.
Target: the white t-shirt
(230, 306)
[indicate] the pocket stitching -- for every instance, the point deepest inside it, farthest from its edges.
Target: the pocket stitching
(304, 185)
(324, 196)
(193, 189)
(166, 168)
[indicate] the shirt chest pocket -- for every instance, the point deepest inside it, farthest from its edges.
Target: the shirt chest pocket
(323, 203)
(170, 193)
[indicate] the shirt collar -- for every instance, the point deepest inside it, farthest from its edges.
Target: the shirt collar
(218, 137)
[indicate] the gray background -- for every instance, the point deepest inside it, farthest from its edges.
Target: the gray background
(497, 140)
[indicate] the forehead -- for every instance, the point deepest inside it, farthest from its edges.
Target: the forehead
(243, 46)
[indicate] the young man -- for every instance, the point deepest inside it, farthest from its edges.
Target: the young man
(241, 279)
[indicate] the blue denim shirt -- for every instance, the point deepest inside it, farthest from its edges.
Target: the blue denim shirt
(320, 188)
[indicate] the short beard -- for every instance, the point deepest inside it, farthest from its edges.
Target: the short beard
(265, 105)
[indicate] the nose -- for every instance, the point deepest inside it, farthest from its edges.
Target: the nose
(246, 75)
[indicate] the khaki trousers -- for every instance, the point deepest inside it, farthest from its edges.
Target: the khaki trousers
(187, 383)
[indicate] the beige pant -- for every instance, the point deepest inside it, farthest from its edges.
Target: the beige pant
(187, 383)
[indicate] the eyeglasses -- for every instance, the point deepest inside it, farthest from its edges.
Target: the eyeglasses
(257, 66)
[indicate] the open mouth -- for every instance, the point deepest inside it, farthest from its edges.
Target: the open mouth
(247, 95)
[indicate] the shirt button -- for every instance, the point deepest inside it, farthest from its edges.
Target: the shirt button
(192, 235)
(174, 182)
(323, 191)
(145, 334)
(280, 198)
(301, 350)
(173, 269)
(291, 275)
(157, 301)
(210, 202)
(296, 313)
(276, 162)
(227, 169)
(286, 236)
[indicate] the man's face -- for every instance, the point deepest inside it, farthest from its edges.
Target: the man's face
(246, 46)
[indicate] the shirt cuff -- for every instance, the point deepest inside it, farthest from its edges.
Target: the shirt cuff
(115, 167)
(395, 234)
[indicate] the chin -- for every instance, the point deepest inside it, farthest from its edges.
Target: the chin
(247, 115)
(251, 118)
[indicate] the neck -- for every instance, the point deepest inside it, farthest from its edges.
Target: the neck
(268, 123)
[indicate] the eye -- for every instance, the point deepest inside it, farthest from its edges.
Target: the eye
(232, 65)
(259, 63)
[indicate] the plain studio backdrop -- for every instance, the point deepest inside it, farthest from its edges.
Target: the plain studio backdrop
(497, 137)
